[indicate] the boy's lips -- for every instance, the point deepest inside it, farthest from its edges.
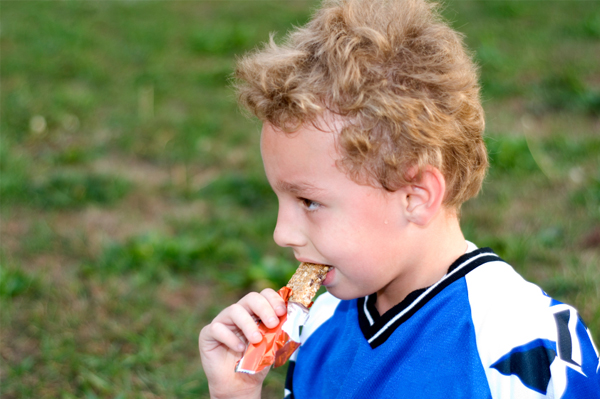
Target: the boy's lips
(329, 277)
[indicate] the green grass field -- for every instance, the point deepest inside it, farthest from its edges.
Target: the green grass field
(134, 205)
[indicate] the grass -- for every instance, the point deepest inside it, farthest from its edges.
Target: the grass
(134, 205)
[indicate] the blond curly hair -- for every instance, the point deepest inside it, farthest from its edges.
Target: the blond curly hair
(397, 74)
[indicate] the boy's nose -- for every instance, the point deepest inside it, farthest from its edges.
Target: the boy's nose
(287, 232)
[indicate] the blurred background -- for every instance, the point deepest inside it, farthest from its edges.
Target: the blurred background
(134, 205)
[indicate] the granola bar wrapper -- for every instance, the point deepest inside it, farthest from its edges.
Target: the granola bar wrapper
(278, 343)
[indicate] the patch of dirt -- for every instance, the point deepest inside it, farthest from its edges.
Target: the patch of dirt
(149, 176)
(138, 214)
(140, 172)
(187, 296)
(11, 231)
(52, 264)
(20, 347)
(592, 239)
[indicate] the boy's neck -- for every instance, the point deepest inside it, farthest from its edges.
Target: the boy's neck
(439, 245)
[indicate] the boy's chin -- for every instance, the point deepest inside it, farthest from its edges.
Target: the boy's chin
(340, 291)
(342, 294)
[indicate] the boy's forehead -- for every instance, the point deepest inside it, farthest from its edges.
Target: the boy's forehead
(319, 141)
(305, 162)
(296, 161)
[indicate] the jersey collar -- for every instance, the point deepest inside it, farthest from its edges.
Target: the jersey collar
(377, 328)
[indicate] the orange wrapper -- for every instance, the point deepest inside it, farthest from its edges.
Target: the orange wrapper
(278, 343)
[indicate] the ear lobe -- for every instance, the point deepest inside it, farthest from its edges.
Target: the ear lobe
(425, 196)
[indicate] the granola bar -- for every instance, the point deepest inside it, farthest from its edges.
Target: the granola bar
(306, 282)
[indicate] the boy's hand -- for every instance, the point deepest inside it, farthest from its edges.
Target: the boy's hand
(222, 344)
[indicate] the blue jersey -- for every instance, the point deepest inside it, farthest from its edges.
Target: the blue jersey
(482, 331)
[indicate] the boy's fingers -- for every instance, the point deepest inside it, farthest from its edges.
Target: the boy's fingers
(227, 337)
(243, 320)
(257, 304)
(276, 301)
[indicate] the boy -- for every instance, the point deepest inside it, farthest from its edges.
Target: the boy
(372, 140)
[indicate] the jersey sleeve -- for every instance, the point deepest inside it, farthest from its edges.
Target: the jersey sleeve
(530, 345)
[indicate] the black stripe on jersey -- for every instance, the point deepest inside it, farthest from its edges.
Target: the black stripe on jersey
(363, 321)
(289, 380)
(384, 325)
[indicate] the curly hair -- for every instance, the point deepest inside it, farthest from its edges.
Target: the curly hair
(399, 76)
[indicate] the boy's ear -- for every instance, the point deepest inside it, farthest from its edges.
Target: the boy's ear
(424, 196)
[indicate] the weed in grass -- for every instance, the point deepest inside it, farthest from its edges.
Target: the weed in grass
(588, 197)
(61, 189)
(568, 151)
(14, 282)
(591, 26)
(223, 39)
(14, 167)
(247, 191)
(551, 237)
(191, 143)
(566, 91)
(212, 79)
(510, 155)
(76, 189)
(41, 238)
(588, 28)
(504, 9)
(25, 367)
(155, 255)
(219, 251)
(494, 63)
(16, 115)
(72, 156)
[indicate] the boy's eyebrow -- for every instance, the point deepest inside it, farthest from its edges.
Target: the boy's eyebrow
(297, 188)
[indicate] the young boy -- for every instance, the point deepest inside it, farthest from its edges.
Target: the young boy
(372, 140)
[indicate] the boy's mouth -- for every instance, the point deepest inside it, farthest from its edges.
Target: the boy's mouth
(329, 277)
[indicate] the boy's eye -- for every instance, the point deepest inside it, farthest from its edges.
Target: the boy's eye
(310, 205)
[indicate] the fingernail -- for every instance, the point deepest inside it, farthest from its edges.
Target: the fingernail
(280, 309)
(273, 321)
(241, 348)
(256, 336)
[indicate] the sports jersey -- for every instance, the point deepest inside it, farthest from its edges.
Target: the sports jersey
(481, 331)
